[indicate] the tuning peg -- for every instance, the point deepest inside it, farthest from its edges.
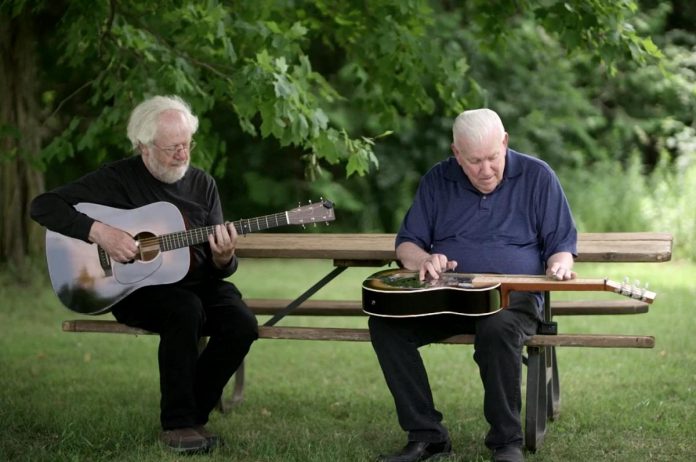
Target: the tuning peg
(644, 291)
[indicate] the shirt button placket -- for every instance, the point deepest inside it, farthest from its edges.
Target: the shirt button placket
(483, 203)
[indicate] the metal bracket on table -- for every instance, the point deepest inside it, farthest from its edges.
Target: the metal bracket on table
(308, 293)
(238, 392)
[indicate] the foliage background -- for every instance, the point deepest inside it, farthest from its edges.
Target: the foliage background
(354, 100)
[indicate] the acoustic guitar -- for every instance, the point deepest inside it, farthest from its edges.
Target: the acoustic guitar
(400, 293)
(87, 281)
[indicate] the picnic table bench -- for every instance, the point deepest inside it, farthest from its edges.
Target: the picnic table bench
(376, 250)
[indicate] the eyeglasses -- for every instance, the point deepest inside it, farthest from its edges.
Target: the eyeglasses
(171, 150)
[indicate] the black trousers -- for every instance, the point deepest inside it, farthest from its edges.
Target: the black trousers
(191, 384)
(497, 351)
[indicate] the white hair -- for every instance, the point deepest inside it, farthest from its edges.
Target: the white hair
(474, 126)
(142, 125)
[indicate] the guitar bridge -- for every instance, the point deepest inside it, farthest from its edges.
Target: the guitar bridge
(105, 261)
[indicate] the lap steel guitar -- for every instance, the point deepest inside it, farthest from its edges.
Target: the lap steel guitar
(400, 293)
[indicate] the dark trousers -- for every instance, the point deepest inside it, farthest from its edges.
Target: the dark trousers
(191, 384)
(497, 351)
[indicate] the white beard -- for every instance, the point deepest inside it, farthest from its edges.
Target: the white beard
(162, 172)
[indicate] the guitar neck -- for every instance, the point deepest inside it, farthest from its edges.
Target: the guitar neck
(195, 236)
(542, 284)
(539, 283)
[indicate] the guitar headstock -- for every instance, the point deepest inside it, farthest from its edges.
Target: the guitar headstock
(632, 290)
(320, 212)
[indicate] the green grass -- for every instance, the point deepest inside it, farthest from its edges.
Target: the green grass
(95, 397)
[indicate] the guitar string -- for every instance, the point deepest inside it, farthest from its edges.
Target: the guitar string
(632, 291)
(182, 237)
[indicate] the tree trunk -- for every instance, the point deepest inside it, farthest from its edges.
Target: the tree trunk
(20, 140)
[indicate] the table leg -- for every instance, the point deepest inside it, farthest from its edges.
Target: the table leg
(238, 392)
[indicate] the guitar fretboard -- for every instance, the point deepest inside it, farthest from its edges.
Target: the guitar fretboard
(191, 237)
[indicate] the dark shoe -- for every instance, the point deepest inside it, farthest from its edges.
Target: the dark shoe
(508, 454)
(212, 439)
(416, 451)
(184, 440)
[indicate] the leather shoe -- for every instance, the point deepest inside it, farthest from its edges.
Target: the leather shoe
(508, 454)
(416, 451)
(212, 439)
(184, 441)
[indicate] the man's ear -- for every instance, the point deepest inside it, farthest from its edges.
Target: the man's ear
(456, 153)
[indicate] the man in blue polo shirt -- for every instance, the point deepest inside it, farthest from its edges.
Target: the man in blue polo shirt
(487, 209)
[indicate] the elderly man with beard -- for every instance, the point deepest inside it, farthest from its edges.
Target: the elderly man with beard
(202, 303)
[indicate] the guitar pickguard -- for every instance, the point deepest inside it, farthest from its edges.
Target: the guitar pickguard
(137, 271)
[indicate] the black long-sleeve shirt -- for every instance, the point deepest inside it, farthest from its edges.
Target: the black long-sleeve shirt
(128, 184)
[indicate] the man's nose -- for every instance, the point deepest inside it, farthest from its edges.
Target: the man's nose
(181, 152)
(486, 167)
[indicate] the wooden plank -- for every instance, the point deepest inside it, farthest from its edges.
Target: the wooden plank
(598, 307)
(270, 306)
(314, 333)
(624, 247)
(593, 341)
(101, 326)
(322, 246)
(363, 335)
(365, 247)
(625, 236)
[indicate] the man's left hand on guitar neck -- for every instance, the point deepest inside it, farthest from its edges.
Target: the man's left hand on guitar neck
(222, 244)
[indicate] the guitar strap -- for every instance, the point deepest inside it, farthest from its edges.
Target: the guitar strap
(308, 293)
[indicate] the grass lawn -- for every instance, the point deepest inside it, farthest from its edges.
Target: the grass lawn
(95, 397)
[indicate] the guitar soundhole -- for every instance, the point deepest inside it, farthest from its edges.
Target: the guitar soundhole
(149, 246)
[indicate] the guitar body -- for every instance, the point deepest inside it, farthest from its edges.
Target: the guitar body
(87, 281)
(398, 293)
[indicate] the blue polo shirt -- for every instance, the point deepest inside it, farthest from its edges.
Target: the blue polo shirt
(512, 230)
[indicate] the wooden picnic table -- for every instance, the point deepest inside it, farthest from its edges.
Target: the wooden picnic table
(375, 249)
